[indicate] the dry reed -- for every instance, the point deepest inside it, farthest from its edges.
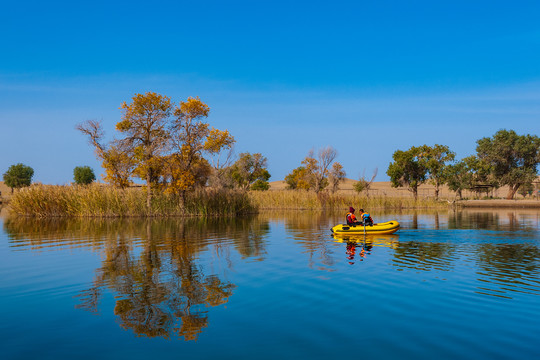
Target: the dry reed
(106, 201)
(305, 200)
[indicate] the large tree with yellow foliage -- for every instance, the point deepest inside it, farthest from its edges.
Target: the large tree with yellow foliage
(162, 144)
(191, 139)
(144, 125)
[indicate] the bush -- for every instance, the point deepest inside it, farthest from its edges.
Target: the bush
(260, 185)
(18, 176)
(83, 175)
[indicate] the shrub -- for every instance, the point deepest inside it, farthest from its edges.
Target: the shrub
(18, 176)
(83, 175)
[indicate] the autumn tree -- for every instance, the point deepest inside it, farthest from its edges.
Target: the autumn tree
(513, 158)
(314, 172)
(83, 175)
(221, 175)
(336, 175)
(116, 160)
(297, 179)
(192, 138)
(436, 158)
(161, 144)
(250, 169)
(408, 170)
(144, 125)
(18, 176)
(321, 167)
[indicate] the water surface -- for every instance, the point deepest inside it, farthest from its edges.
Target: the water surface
(278, 285)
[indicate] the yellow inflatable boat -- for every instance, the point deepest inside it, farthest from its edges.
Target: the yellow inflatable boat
(388, 227)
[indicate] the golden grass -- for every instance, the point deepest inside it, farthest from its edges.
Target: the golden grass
(305, 200)
(107, 201)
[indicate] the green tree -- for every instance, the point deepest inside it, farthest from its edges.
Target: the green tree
(435, 159)
(458, 177)
(250, 168)
(408, 169)
(260, 185)
(480, 178)
(512, 158)
(83, 175)
(526, 189)
(18, 176)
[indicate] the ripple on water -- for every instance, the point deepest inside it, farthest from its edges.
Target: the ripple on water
(278, 288)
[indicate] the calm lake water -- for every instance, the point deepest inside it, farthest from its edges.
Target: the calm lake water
(448, 285)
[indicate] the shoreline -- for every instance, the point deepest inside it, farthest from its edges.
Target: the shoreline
(500, 203)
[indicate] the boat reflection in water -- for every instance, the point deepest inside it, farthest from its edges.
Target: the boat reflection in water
(358, 246)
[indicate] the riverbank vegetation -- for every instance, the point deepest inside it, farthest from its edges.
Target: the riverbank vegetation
(108, 201)
(310, 200)
(506, 159)
(189, 168)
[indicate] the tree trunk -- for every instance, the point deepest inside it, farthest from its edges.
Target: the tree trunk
(415, 192)
(148, 192)
(437, 192)
(512, 191)
(459, 194)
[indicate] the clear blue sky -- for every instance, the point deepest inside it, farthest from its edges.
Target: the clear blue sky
(366, 77)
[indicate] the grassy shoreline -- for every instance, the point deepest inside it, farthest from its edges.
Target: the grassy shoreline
(106, 201)
(304, 200)
(46, 201)
(50, 201)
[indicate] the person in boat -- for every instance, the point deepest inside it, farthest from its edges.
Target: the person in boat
(366, 218)
(351, 218)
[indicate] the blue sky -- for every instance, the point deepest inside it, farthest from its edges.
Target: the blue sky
(366, 77)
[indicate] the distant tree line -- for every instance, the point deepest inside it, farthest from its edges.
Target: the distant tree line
(174, 150)
(506, 158)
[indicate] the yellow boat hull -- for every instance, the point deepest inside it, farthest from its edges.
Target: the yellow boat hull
(388, 227)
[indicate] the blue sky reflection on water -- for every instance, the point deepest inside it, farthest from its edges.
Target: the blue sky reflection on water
(273, 285)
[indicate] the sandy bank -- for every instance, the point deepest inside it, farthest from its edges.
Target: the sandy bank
(499, 203)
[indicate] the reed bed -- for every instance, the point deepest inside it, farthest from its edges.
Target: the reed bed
(106, 201)
(305, 200)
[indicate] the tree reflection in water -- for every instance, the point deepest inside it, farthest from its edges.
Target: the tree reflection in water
(509, 267)
(151, 265)
(311, 229)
